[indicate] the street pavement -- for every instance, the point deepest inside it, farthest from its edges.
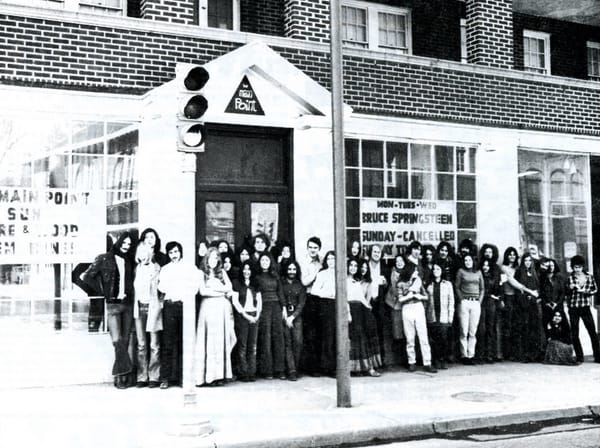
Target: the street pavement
(276, 413)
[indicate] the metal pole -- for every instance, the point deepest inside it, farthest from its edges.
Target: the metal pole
(337, 105)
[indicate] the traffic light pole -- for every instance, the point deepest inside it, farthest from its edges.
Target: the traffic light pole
(337, 105)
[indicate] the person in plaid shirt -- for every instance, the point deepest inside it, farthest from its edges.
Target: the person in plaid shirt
(581, 287)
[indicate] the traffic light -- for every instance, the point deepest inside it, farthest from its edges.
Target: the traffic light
(191, 79)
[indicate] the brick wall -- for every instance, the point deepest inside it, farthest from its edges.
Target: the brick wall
(490, 33)
(45, 52)
(307, 20)
(262, 17)
(173, 11)
(568, 52)
(435, 24)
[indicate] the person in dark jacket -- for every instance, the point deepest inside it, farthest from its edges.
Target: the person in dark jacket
(487, 335)
(113, 271)
(294, 298)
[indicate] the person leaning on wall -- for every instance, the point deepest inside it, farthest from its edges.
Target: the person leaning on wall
(114, 272)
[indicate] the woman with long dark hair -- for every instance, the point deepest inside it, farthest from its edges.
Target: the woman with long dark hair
(215, 335)
(114, 271)
(511, 288)
(150, 237)
(527, 313)
(271, 345)
(247, 303)
(365, 356)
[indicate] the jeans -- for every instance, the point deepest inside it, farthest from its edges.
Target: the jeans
(270, 340)
(311, 321)
(585, 314)
(171, 363)
(470, 311)
(440, 335)
(148, 369)
(293, 344)
(245, 348)
(486, 332)
(120, 320)
(414, 322)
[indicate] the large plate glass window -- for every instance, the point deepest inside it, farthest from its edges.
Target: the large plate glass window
(77, 185)
(401, 174)
(553, 197)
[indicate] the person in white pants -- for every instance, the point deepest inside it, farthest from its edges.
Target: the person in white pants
(470, 290)
(412, 295)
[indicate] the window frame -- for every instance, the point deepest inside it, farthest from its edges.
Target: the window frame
(545, 37)
(88, 6)
(593, 45)
(372, 24)
(203, 15)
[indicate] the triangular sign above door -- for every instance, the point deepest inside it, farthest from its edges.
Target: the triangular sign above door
(244, 100)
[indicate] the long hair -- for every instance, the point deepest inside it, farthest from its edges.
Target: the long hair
(522, 270)
(507, 252)
(287, 264)
(116, 249)
(156, 249)
(272, 265)
(218, 271)
(367, 276)
(353, 260)
(330, 252)
(495, 254)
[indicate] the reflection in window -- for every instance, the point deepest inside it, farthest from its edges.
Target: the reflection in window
(553, 215)
(558, 185)
(533, 188)
(577, 186)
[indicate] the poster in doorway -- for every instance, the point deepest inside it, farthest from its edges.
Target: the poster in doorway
(265, 219)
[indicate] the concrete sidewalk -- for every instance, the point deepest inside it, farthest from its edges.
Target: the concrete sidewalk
(300, 414)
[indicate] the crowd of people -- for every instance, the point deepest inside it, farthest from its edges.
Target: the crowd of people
(263, 312)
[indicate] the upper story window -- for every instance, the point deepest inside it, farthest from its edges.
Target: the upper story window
(223, 14)
(372, 26)
(114, 7)
(463, 41)
(593, 60)
(536, 52)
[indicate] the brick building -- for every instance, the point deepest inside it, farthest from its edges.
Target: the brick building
(463, 119)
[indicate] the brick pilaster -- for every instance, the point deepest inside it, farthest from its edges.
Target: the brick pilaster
(490, 33)
(174, 11)
(307, 20)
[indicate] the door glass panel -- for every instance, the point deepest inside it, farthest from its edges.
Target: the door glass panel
(265, 219)
(220, 219)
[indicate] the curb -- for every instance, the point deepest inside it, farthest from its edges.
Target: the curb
(403, 432)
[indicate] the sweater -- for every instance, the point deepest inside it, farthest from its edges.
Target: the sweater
(469, 284)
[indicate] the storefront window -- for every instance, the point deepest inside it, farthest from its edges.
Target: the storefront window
(402, 191)
(67, 190)
(554, 217)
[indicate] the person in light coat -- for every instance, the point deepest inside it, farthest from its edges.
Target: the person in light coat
(147, 312)
(440, 314)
